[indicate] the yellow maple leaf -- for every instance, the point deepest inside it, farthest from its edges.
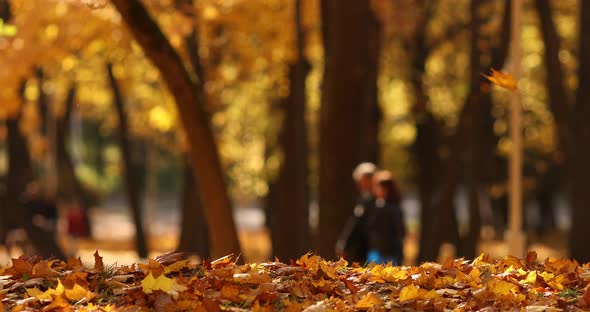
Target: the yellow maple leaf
(163, 283)
(369, 301)
(409, 292)
(176, 266)
(531, 278)
(58, 304)
(502, 288)
(78, 293)
(35, 292)
(504, 80)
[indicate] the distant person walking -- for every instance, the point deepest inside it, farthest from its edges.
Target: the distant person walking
(385, 221)
(353, 241)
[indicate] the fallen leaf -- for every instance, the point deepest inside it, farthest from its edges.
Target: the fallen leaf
(231, 292)
(163, 283)
(78, 293)
(502, 288)
(98, 264)
(369, 301)
(20, 267)
(43, 269)
(58, 303)
(408, 293)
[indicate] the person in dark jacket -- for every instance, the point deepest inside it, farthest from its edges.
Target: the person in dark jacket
(353, 241)
(385, 221)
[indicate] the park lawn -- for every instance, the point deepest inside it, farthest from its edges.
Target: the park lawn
(171, 282)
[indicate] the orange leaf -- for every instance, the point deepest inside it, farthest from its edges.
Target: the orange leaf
(409, 292)
(231, 292)
(369, 301)
(58, 304)
(504, 80)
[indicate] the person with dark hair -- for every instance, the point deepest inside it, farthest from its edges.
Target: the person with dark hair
(385, 221)
(353, 241)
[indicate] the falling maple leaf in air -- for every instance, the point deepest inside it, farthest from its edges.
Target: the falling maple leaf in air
(502, 79)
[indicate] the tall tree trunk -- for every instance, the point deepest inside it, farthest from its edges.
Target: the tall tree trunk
(203, 151)
(20, 173)
(345, 28)
(482, 140)
(372, 113)
(560, 106)
(194, 236)
(129, 167)
(559, 103)
(427, 144)
(290, 233)
(581, 149)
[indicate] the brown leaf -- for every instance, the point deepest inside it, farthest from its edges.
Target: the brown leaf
(43, 269)
(74, 264)
(98, 264)
(531, 257)
(21, 266)
(170, 257)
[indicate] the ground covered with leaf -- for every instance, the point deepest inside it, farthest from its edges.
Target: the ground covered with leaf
(171, 282)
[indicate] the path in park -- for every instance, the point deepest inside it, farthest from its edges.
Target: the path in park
(113, 232)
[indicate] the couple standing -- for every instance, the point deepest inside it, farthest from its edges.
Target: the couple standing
(375, 231)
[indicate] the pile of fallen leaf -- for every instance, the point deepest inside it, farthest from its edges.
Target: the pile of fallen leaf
(172, 283)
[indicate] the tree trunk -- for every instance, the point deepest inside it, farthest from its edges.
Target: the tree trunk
(427, 144)
(194, 236)
(482, 145)
(203, 151)
(372, 113)
(345, 28)
(20, 173)
(559, 104)
(290, 233)
(581, 149)
(129, 167)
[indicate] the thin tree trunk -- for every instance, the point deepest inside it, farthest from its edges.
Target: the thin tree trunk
(581, 149)
(203, 151)
(194, 236)
(290, 234)
(345, 28)
(129, 168)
